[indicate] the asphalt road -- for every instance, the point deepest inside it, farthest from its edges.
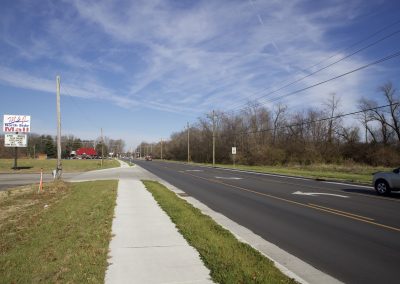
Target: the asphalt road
(8, 181)
(345, 231)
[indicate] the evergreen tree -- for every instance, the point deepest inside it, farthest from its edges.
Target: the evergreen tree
(50, 148)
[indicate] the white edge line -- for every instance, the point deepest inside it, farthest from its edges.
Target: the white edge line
(257, 240)
(348, 184)
(282, 176)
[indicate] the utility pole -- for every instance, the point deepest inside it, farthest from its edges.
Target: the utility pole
(102, 147)
(213, 135)
(59, 166)
(15, 158)
(161, 149)
(366, 127)
(188, 143)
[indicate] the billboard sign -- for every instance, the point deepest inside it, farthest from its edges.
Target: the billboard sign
(15, 140)
(17, 123)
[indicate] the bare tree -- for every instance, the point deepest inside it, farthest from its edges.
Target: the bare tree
(373, 113)
(331, 108)
(278, 117)
(389, 92)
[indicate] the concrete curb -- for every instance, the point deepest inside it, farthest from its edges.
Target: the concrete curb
(290, 265)
(147, 247)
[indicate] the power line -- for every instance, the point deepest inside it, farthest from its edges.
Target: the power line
(327, 66)
(72, 99)
(356, 43)
(316, 120)
(333, 78)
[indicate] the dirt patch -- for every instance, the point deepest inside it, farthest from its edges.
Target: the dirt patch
(24, 197)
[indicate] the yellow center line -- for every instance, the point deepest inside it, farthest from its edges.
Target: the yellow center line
(343, 212)
(331, 189)
(315, 207)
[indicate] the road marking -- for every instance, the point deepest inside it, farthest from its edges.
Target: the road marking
(235, 178)
(342, 212)
(307, 179)
(263, 174)
(347, 215)
(194, 171)
(348, 184)
(319, 193)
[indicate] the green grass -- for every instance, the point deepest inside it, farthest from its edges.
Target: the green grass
(353, 173)
(67, 241)
(347, 173)
(34, 166)
(229, 260)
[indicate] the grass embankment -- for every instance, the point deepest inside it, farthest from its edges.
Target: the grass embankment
(65, 241)
(229, 260)
(34, 166)
(347, 173)
(354, 173)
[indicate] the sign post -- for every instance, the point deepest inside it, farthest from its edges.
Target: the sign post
(16, 124)
(233, 155)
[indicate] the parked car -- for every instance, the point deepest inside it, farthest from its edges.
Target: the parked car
(385, 182)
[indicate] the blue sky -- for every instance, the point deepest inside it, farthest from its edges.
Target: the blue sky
(142, 69)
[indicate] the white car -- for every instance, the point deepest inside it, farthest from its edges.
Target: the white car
(385, 182)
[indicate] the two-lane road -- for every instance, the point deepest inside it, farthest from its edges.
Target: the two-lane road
(345, 231)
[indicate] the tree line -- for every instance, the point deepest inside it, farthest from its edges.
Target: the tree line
(271, 136)
(47, 144)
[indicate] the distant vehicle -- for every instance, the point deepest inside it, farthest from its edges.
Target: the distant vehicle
(148, 158)
(385, 182)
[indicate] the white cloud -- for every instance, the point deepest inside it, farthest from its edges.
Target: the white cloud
(176, 57)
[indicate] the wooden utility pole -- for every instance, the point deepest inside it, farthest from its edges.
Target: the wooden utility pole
(161, 150)
(59, 166)
(102, 147)
(213, 135)
(15, 158)
(188, 143)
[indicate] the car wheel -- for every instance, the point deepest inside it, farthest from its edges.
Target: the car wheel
(382, 187)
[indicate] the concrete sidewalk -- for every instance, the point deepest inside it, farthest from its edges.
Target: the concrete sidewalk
(146, 247)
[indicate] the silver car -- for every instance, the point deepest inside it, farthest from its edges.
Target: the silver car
(385, 182)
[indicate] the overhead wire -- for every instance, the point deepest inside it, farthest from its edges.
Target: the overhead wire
(327, 66)
(315, 121)
(396, 54)
(236, 105)
(72, 99)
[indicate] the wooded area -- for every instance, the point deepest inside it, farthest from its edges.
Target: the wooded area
(271, 136)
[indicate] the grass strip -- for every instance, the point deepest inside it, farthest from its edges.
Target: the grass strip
(347, 173)
(34, 166)
(58, 236)
(229, 260)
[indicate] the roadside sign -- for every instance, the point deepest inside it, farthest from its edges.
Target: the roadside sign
(16, 123)
(15, 140)
(233, 150)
